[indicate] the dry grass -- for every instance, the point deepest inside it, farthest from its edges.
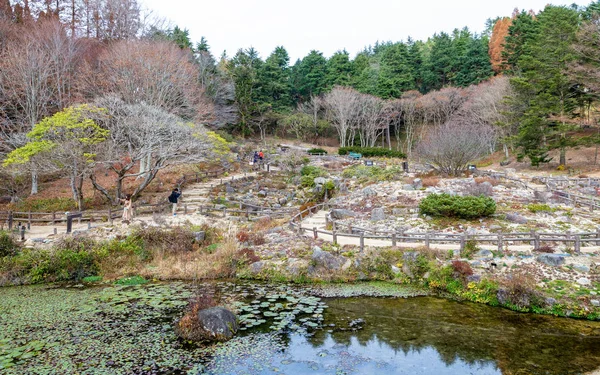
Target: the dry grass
(492, 181)
(431, 181)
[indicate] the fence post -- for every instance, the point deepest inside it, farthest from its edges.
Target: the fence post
(578, 244)
(500, 240)
(427, 240)
(402, 234)
(10, 222)
(22, 233)
(536, 241)
(334, 234)
(315, 234)
(185, 209)
(55, 231)
(350, 228)
(394, 239)
(300, 231)
(110, 218)
(463, 241)
(597, 236)
(334, 226)
(362, 241)
(29, 220)
(53, 218)
(224, 211)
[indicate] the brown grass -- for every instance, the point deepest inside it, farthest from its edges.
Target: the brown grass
(492, 181)
(431, 181)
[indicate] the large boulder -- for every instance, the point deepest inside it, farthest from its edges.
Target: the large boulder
(516, 218)
(340, 213)
(378, 214)
(219, 323)
(554, 260)
(369, 192)
(208, 325)
(323, 259)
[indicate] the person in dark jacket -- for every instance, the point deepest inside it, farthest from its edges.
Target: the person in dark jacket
(173, 198)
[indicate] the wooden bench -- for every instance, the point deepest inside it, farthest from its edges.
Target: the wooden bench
(354, 155)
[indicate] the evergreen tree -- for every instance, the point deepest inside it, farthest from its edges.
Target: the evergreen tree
(522, 30)
(543, 86)
(438, 67)
(274, 80)
(202, 45)
(339, 70)
(475, 65)
(310, 75)
(396, 74)
(243, 69)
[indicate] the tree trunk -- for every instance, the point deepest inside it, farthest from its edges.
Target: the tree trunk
(34, 182)
(563, 156)
(79, 188)
(505, 147)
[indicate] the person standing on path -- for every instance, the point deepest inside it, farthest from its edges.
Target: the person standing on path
(127, 209)
(173, 198)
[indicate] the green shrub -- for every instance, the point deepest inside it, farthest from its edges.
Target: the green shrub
(468, 207)
(7, 245)
(372, 173)
(309, 173)
(92, 279)
(314, 151)
(372, 152)
(540, 207)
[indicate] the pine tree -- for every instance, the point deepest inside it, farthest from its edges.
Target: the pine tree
(310, 75)
(339, 70)
(274, 80)
(396, 74)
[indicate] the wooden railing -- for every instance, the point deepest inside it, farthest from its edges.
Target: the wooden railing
(578, 240)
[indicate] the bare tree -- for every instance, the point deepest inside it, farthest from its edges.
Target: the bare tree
(343, 111)
(157, 73)
(143, 133)
(450, 147)
(35, 75)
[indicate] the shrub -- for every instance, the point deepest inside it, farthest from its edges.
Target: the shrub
(539, 207)
(545, 249)
(518, 292)
(175, 240)
(47, 205)
(314, 151)
(243, 236)
(8, 246)
(257, 239)
(467, 207)
(372, 152)
(462, 269)
(477, 189)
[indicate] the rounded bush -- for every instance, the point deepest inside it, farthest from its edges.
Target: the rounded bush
(468, 207)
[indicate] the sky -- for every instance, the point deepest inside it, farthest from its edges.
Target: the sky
(328, 25)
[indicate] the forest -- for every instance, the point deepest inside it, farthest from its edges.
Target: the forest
(111, 83)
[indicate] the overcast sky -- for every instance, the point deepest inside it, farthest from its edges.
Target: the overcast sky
(328, 25)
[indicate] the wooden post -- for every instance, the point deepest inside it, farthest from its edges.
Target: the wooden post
(334, 235)
(10, 222)
(90, 224)
(29, 220)
(394, 239)
(463, 242)
(334, 226)
(362, 241)
(110, 216)
(500, 240)
(55, 231)
(427, 240)
(402, 234)
(350, 228)
(224, 211)
(22, 233)
(247, 213)
(185, 209)
(578, 244)
(53, 218)
(315, 234)
(597, 236)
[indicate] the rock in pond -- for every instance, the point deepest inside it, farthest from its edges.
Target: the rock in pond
(219, 323)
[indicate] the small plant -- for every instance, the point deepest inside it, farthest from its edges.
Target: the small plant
(470, 249)
(212, 248)
(545, 249)
(247, 256)
(243, 236)
(132, 280)
(539, 207)
(188, 327)
(92, 279)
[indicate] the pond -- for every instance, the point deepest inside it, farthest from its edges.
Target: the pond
(129, 330)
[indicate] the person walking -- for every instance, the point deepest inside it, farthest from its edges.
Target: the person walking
(173, 198)
(261, 156)
(127, 209)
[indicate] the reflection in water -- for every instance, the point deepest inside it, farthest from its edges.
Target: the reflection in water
(428, 336)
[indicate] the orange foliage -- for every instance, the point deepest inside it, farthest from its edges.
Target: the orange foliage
(496, 45)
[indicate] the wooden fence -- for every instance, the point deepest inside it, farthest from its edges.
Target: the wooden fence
(535, 239)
